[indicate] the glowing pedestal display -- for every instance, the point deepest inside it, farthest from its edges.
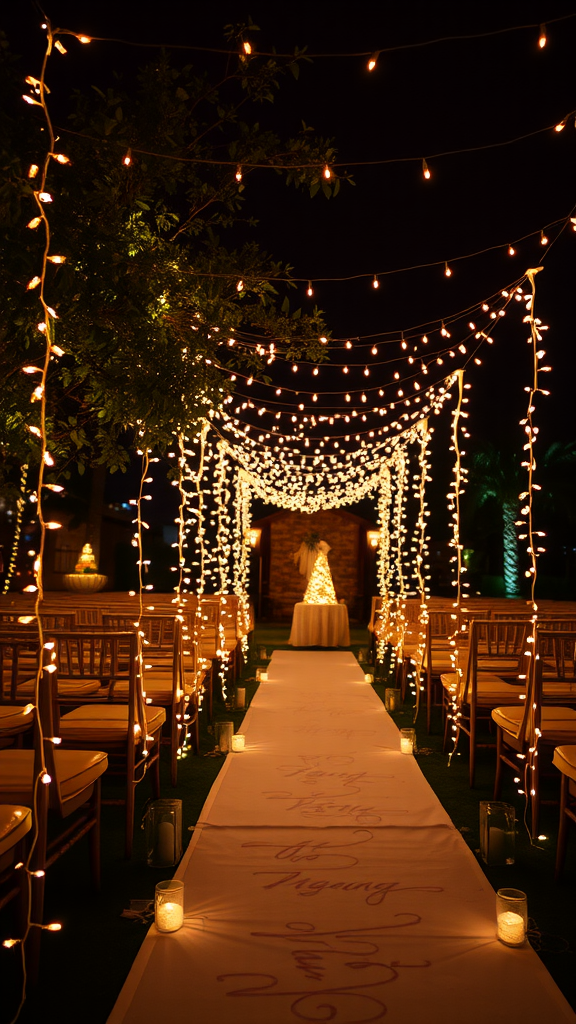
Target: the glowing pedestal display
(320, 589)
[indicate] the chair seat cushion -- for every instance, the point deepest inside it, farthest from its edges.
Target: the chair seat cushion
(14, 719)
(15, 822)
(157, 687)
(489, 687)
(75, 771)
(76, 688)
(104, 723)
(565, 760)
(558, 725)
(557, 688)
(492, 663)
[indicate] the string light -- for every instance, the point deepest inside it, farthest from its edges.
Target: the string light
(309, 290)
(543, 239)
(127, 159)
(373, 60)
(426, 170)
(542, 38)
(327, 172)
(511, 250)
(238, 174)
(447, 271)
(375, 282)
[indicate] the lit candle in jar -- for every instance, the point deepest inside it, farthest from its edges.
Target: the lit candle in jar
(407, 741)
(169, 905)
(263, 677)
(169, 917)
(238, 742)
(511, 928)
(240, 696)
(368, 677)
(511, 916)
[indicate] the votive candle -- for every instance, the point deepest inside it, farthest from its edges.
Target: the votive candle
(407, 741)
(169, 905)
(511, 916)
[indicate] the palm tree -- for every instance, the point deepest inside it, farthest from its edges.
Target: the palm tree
(497, 477)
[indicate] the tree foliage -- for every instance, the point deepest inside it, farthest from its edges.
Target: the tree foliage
(160, 271)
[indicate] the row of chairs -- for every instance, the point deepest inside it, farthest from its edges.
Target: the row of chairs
(104, 695)
(100, 705)
(520, 682)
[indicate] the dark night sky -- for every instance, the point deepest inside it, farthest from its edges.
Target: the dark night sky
(448, 96)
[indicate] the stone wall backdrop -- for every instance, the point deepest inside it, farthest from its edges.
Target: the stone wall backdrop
(283, 533)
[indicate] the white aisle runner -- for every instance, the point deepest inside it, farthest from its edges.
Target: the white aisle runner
(325, 882)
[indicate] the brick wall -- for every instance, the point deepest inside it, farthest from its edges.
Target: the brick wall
(339, 530)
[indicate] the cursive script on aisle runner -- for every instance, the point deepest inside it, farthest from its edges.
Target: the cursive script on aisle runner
(346, 953)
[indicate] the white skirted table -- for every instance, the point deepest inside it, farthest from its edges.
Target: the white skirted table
(320, 625)
(325, 882)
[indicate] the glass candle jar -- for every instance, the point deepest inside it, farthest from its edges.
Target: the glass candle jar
(368, 677)
(163, 827)
(169, 905)
(238, 742)
(407, 741)
(224, 732)
(511, 916)
(391, 699)
(497, 832)
(240, 697)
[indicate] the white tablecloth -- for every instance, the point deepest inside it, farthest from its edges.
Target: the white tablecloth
(320, 625)
(325, 882)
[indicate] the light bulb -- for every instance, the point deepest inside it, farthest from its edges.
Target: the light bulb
(511, 250)
(327, 172)
(426, 170)
(238, 174)
(309, 290)
(543, 239)
(247, 47)
(447, 271)
(375, 282)
(542, 38)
